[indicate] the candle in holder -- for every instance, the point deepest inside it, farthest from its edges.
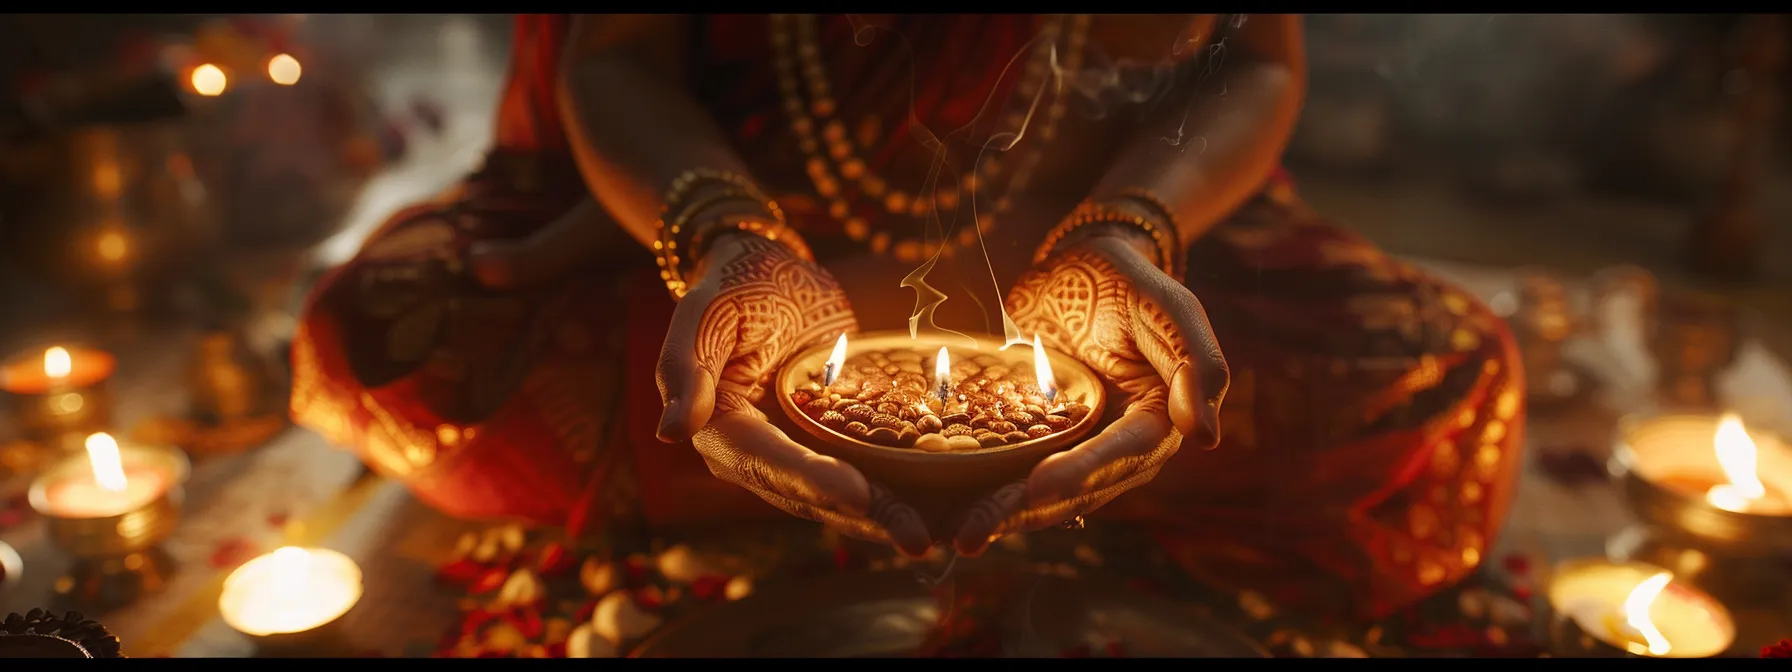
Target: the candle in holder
(59, 392)
(1638, 609)
(1711, 477)
(110, 508)
(877, 403)
(291, 591)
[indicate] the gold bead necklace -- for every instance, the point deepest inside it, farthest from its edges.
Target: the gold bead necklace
(815, 123)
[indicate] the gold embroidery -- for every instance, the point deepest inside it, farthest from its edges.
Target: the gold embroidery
(1456, 304)
(1494, 432)
(1487, 460)
(1445, 459)
(1422, 521)
(1471, 556)
(1464, 340)
(1506, 405)
(1430, 573)
(1471, 493)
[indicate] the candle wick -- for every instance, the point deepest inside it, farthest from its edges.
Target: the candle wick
(828, 372)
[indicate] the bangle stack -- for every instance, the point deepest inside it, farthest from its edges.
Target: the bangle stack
(698, 190)
(1124, 209)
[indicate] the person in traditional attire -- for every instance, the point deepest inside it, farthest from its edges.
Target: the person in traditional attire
(677, 203)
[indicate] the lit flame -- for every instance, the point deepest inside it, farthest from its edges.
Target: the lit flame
(113, 246)
(1737, 455)
(108, 468)
(57, 363)
(942, 373)
(284, 70)
(1042, 370)
(836, 362)
(1636, 612)
(209, 80)
(289, 566)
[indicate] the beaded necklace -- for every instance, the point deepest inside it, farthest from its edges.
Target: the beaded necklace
(833, 158)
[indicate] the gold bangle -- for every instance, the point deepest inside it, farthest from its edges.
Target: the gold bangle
(1168, 257)
(672, 227)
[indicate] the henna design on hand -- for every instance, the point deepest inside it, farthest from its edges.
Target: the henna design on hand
(1082, 304)
(768, 304)
(1104, 303)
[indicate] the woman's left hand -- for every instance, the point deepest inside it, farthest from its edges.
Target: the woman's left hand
(1104, 302)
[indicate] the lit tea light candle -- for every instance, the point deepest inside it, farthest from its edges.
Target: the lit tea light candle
(57, 369)
(289, 591)
(59, 394)
(108, 486)
(1042, 371)
(942, 375)
(831, 371)
(1734, 469)
(1641, 609)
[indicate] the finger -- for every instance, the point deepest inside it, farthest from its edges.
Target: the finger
(902, 522)
(698, 343)
(1174, 336)
(747, 451)
(985, 517)
(1127, 446)
(544, 255)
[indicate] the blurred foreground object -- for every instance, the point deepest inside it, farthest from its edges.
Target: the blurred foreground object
(37, 634)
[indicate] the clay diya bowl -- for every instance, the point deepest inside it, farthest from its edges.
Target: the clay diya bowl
(913, 470)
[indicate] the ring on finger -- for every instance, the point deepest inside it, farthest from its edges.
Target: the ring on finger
(1076, 523)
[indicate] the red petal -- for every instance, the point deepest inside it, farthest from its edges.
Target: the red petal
(492, 653)
(232, 552)
(278, 519)
(1783, 649)
(526, 621)
(842, 558)
(1522, 592)
(709, 587)
(1517, 564)
(584, 613)
(636, 570)
(460, 572)
(471, 622)
(491, 580)
(554, 560)
(557, 650)
(650, 598)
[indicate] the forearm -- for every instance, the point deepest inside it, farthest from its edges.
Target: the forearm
(1202, 157)
(634, 129)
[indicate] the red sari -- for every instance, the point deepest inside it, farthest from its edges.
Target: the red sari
(1371, 436)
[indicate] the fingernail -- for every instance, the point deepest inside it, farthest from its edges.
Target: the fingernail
(1209, 431)
(669, 418)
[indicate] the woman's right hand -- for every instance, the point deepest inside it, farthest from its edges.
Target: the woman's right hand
(754, 303)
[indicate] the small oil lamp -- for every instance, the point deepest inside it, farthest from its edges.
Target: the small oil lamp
(59, 395)
(1709, 478)
(291, 600)
(110, 509)
(976, 416)
(1610, 609)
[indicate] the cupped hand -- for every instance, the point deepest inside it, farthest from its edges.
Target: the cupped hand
(755, 303)
(1104, 302)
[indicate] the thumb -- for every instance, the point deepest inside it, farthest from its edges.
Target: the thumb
(1172, 333)
(540, 256)
(688, 371)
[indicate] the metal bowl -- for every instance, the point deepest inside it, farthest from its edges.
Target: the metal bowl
(908, 468)
(890, 614)
(1651, 449)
